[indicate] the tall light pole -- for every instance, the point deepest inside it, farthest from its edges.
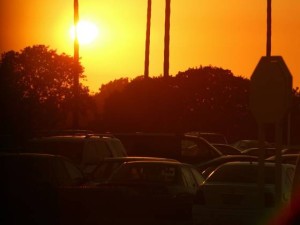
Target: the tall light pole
(269, 24)
(147, 45)
(167, 38)
(76, 69)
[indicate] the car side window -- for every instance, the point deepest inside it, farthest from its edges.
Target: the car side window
(189, 148)
(74, 173)
(206, 150)
(188, 177)
(62, 177)
(117, 147)
(95, 150)
(104, 170)
(169, 175)
(102, 149)
(198, 177)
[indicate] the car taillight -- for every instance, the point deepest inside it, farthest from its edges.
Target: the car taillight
(199, 198)
(269, 199)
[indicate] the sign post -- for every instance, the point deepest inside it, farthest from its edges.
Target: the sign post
(270, 90)
(270, 101)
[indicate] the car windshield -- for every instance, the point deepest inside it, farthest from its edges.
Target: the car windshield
(241, 173)
(105, 169)
(214, 138)
(154, 173)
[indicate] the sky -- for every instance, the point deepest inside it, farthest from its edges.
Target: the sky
(229, 34)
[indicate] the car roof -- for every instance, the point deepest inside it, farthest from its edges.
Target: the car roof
(229, 157)
(156, 162)
(212, 137)
(245, 172)
(156, 134)
(71, 137)
(204, 133)
(266, 164)
(31, 155)
(60, 137)
(289, 155)
(253, 165)
(136, 158)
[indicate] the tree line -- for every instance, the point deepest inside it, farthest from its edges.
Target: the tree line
(37, 94)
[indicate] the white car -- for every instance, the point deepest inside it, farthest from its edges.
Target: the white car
(230, 194)
(164, 189)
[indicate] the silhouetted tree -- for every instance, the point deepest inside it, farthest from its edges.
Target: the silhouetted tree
(216, 101)
(204, 98)
(100, 98)
(36, 89)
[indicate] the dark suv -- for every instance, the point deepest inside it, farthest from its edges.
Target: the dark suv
(37, 189)
(182, 147)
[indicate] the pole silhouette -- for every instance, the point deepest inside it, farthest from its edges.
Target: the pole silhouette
(76, 68)
(167, 38)
(147, 45)
(269, 29)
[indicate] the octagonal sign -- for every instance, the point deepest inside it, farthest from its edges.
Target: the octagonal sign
(270, 90)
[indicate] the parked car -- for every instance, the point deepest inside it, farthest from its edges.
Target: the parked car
(182, 147)
(102, 171)
(9, 143)
(291, 214)
(167, 188)
(207, 167)
(269, 151)
(227, 149)
(34, 189)
(211, 137)
(285, 158)
(44, 189)
(82, 149)
(230, 194)
(249, 143)
(291, 150)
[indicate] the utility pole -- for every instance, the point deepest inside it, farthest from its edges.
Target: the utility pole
(269, 23)
(167, 38)
(76, 69)
(147, 47)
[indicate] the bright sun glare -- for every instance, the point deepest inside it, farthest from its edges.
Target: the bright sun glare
(87, 32)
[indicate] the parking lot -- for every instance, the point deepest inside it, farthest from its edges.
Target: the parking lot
(39, 187)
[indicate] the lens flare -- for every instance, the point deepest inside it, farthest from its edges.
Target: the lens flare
(87, 32)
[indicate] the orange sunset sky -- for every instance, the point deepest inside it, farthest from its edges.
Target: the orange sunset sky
(230, 34)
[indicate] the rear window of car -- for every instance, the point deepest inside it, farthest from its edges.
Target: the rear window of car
(214, 138)
(158, 146)
(117, 148)
(158, 173)
(247, 173)
(105, 169)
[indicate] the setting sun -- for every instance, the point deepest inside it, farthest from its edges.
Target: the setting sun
(87, 32)
(114, 33)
